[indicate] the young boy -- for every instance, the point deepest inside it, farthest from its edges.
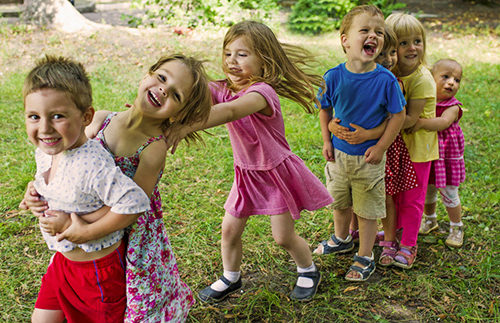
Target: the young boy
(85, 281)
(362, 93)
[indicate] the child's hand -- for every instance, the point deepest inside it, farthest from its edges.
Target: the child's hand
(173, 135)
(77, 232)
(55, 222)
(359, 135)
(337, 130)
(328, 151)
(417, 126)
(33, 202)
(373, 155)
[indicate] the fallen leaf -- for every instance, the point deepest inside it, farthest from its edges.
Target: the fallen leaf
(350, 288)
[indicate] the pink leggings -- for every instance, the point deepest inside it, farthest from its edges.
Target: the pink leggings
(410, 205)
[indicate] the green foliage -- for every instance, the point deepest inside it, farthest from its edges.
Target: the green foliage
(318, 16)
(194, 13)
(387, 6)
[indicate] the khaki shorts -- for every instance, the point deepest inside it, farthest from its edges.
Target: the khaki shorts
(354, 183)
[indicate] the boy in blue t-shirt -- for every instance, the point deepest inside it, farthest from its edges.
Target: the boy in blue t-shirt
(363, 93)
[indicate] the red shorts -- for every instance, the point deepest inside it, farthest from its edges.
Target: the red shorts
(86, 291)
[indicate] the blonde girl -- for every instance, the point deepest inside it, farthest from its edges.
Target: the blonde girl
(269, 178)
(173, 92)
(423, 144)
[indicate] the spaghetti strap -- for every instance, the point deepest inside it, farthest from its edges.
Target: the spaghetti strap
(147, 143)
(107, 120)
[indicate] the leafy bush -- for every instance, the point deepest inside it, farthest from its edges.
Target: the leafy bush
(194, 13)
(319, 16)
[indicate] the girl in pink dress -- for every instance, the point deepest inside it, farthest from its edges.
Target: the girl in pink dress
(268, 177)
(449, 170)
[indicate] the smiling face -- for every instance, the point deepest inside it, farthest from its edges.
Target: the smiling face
(388, 58)
(447, 76)
(241, 63)
(411, 53)
(53, 122)
(364, 39)
(163, 92)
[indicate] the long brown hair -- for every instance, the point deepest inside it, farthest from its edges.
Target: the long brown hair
(282, 63)
(198, 103)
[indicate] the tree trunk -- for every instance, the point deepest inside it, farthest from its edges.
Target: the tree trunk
(58, 14)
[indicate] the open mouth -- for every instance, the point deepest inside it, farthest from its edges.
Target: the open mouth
(370, 49)
(50, 141)
(154, 99)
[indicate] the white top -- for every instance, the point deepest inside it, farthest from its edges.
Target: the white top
(85, 180)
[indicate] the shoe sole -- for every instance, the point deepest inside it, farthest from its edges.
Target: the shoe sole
(212, 300)
(428, 231)
(453, 245)
(309, 298)
(361, 279)
(401, 265)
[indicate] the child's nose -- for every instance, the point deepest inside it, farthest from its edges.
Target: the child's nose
(45, 126)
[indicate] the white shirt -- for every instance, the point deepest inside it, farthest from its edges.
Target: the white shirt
(85, 180)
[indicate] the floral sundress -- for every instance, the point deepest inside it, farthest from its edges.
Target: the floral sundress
(155, 291)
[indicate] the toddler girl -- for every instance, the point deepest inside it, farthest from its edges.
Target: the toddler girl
(175, 91)
(449, 170)
(269, 178)
(422, 144)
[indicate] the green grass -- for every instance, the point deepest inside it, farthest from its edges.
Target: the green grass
(445, 284)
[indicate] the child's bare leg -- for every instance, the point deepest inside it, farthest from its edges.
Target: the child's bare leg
(430, 208)
(353, 226)
(389, 222)
(283, 228)
(231, 246)
(367, 234)
(44, 316)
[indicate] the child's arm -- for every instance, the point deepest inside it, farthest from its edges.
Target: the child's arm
(92, 129)
(324, 119)
(375, 153)
(359, 135)
(81, 232)
(57, 221)
(443, 122)
(32, 201)
(414, 109)
(219, 114)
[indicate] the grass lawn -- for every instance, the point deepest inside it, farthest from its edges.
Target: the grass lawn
(445, 284)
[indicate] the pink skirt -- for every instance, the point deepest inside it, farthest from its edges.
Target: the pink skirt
(289, 187)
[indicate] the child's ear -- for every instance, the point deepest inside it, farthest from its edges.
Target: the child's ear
(88, 116)
(343, 40)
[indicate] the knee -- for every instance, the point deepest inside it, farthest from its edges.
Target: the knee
(230, 234)
(283, 240)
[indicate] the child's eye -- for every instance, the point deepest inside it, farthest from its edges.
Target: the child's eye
(380, 33)
(393, 52)
(445, 76)
(418, 41)
(162, 77)
(58, 116)
(33, 117)
(457, 80)
(403, 43)
(243, 54)
(364, 30)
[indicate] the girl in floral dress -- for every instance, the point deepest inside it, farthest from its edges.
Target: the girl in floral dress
(174, 91)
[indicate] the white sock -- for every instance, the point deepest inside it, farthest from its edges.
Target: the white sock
(456, 224)
(346, 240)
(304, 281)
(431, 216)
(232, 276)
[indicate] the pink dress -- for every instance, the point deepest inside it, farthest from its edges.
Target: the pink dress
(449, 169)
(155, 291)
(268, 177)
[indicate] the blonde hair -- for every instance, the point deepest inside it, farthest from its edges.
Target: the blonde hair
(62, 74)
(198, 103)
(405, 25)
(346, 23)
(281, 63)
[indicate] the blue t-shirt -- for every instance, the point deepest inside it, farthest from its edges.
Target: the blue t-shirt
(364, 99)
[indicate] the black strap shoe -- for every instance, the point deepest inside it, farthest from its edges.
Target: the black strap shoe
(209, 295)
(306, 294)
